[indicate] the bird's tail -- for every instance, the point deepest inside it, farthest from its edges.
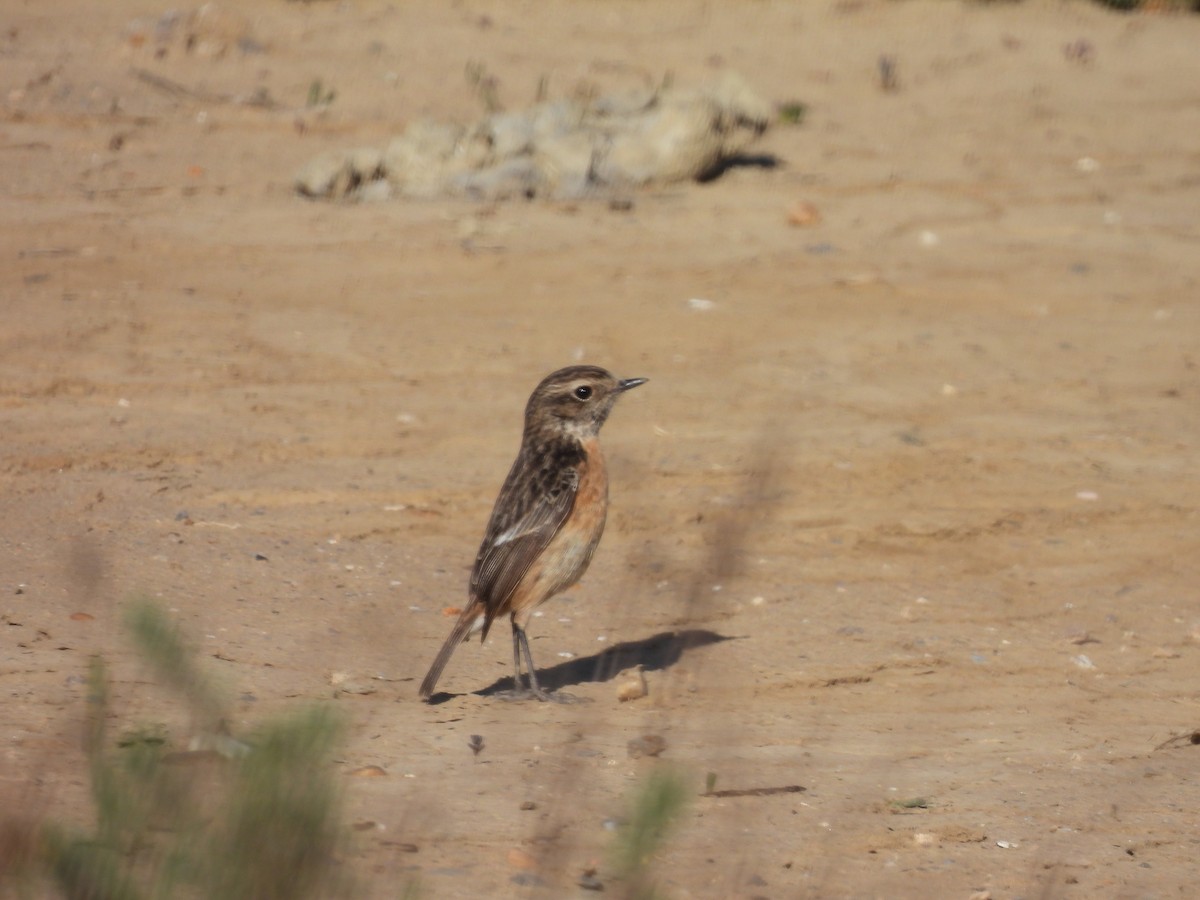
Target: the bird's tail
(460, 632)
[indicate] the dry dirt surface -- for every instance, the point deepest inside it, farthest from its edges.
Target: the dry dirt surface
(907, 514)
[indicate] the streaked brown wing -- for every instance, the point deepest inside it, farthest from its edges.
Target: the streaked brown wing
(532, 507)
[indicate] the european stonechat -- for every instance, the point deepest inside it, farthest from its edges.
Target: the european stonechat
(549, 516)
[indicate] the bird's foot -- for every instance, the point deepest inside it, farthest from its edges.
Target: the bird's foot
(512, 695)
(538, 694)
(560, 697)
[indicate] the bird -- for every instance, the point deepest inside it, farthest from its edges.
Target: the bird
(547, 519)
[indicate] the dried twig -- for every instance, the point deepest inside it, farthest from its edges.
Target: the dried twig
(1188, 738)
(757, 792)
(259, 98)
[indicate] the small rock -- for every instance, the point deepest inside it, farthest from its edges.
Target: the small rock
(646, 745)
(520, 859)
(1080, 51)
(589, 882)
(368, 772)
(220, 744)
(322, 175)
(526, 879)
(889, 80)
(632, 685)
(374, 191)
(88, 617)
(803, 215)
(210, 31)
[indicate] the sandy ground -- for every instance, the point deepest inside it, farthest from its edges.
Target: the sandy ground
(909, 512)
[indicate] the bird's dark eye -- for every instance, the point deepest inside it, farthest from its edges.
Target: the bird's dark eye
(583, 392)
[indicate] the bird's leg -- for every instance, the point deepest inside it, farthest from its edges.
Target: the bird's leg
(516, 633)
(535, 689)
(519, 691)
(520, 638)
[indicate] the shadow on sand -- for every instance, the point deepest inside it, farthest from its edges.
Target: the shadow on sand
(655, 653)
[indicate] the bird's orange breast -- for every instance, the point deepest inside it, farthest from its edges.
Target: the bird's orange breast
(569, 552)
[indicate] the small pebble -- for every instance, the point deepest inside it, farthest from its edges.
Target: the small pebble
(632, 685)
(803, 215)
(646, 745)
(520, 859)
(589, 882)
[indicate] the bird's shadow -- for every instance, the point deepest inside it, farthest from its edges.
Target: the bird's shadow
(740, 161)
(661, 651)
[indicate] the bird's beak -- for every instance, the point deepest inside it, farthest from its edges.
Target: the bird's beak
(628, 384)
